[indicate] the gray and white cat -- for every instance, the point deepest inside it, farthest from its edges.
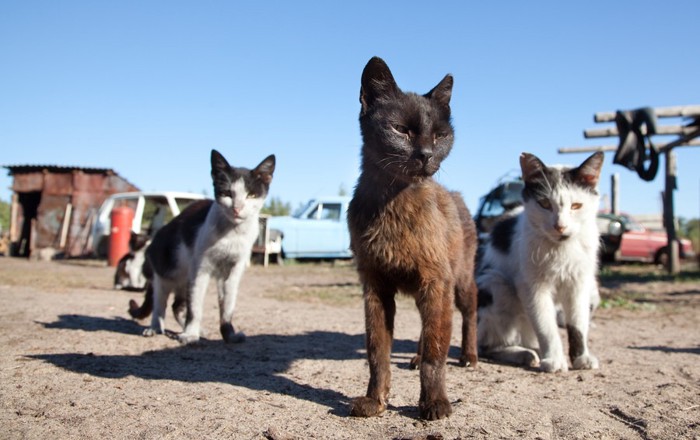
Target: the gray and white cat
(209, 239)
(543, 258)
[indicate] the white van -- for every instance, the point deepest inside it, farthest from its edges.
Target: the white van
(152, 210)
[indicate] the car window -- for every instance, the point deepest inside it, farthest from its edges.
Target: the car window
(156, 213)
(183, 203)
(313, 214)
(302, 209)
(330, 211)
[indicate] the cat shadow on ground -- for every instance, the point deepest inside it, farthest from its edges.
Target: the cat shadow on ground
(665, 349)
(262, 362)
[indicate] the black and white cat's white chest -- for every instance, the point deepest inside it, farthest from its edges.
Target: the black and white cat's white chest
(221, 243)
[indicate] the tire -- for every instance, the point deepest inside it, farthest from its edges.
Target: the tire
(662, 256)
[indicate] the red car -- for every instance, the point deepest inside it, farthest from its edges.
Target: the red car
(635, 242)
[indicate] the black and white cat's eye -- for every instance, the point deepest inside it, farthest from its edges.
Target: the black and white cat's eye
(252, 196)
(575, 206)
(545, 204)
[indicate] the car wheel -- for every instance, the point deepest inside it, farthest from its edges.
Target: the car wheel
(662, 256)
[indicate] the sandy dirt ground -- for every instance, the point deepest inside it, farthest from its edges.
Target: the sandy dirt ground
(73, 365)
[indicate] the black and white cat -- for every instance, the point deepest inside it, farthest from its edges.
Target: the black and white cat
(209, 239)
(538, 260)
(129, 273)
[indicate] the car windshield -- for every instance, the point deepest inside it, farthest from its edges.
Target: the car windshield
(632, 225)
(302, 209)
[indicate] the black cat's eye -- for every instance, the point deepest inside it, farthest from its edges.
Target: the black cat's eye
(441, 135)
(545, 204)
(401, 128)
(575, 206)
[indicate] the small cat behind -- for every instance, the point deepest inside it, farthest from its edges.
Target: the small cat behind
(129, 272)
(208, 239)
(544, 257)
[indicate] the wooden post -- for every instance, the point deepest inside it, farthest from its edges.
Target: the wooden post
(14, 214)
(669, 213)
(65, 226)
(614, 193)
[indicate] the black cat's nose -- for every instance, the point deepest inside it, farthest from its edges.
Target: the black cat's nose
(425, 154)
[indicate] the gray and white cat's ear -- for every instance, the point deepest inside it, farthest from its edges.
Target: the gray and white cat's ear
(377, 81)
(265, 170)
(218, 162)
(442, 93)
(531, 166)
(588, 172)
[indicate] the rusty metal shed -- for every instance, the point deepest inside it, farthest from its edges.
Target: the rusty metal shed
(53, 207)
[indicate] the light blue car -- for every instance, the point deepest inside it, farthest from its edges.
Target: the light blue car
(318, 230)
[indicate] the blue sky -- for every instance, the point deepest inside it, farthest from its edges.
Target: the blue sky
(149, 88)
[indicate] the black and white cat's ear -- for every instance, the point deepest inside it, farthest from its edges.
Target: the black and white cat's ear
(531, 166)
(265, 170)
(588, 173)
(218, 162)
(377, 81)
(442, 93)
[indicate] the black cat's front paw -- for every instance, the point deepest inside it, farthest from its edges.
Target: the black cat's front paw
(468, 360)
(435, 409)
(415, 362)
(366, 407)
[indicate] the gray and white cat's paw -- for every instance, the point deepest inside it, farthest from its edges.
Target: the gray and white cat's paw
(585, 362)
(187, 338)
(552, 365)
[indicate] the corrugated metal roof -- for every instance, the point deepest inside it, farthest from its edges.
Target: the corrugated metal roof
(19, 169)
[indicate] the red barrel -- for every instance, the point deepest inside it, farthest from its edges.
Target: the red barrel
(121, 219)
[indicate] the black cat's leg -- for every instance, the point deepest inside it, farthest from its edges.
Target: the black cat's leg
(466, 293)
(435, 307)
(195, 306)
(577, 309)
(228, 293)
(415, 361)
(380, 309)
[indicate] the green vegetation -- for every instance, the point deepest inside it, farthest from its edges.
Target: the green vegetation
(4, 216)
(690, 229)
(275, 206)
(645, 273)
(626, 300)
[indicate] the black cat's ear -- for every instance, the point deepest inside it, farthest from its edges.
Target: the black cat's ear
(264, 171)
(531, 166)
(588, 173)
(377, 81)
(442, 93)
(218, 162)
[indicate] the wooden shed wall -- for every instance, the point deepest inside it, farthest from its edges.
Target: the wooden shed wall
(84, 191)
